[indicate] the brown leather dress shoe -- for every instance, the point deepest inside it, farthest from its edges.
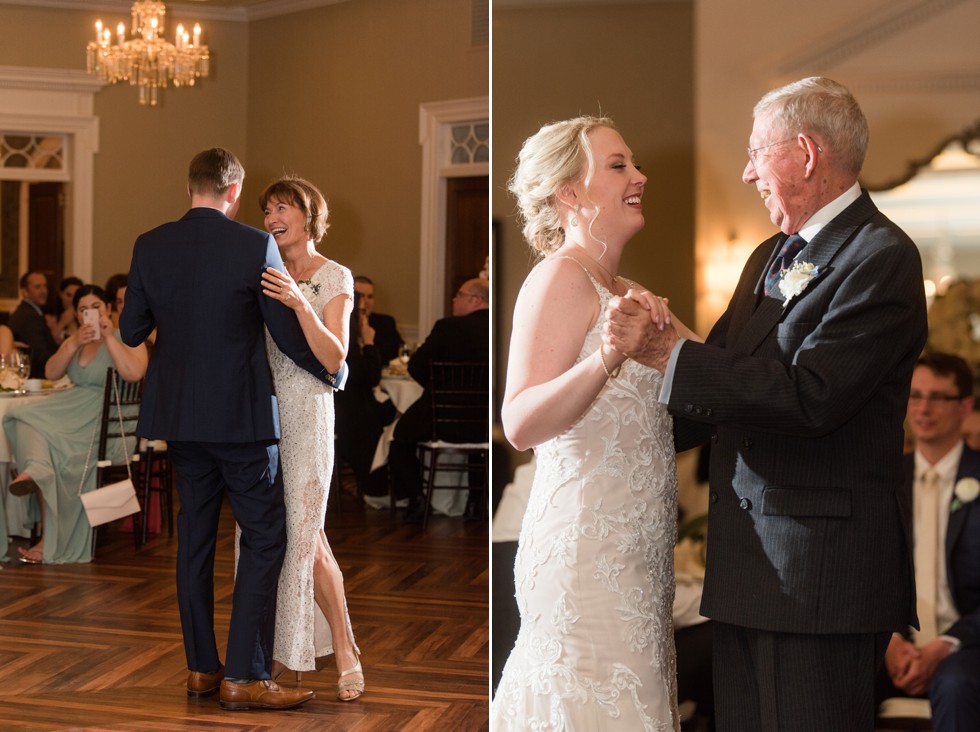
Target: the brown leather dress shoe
(200, 684)
(261, 694)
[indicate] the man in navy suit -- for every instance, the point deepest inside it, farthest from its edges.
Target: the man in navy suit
(942, 658)
(29, 324)
(209, 394)
(801, 388)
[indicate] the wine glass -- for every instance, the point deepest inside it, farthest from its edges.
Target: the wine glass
(23, 365)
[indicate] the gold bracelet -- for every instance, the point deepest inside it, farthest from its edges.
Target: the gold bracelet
(609, 374)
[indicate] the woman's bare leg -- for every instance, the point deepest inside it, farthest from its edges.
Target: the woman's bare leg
(328, 590)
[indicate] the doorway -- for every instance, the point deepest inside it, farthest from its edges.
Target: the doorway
(467, 232)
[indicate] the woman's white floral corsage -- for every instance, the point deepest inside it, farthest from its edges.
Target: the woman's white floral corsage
(966, 491)
(795, 279)
(308, 287)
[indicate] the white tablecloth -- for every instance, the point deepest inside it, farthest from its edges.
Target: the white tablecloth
(404, 391)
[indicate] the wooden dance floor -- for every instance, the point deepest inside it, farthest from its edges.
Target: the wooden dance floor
(98, 646)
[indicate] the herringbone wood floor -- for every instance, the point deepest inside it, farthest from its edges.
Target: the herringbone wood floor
(98, 646)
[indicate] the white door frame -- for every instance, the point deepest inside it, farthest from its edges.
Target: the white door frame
(435, 129)
(59, 101)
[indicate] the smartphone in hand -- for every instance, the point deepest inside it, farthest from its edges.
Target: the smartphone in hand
(91, 317)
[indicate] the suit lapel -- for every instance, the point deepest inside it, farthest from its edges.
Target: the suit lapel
(821, 252)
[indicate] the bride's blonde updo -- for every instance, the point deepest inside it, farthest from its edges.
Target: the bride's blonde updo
(558, 154)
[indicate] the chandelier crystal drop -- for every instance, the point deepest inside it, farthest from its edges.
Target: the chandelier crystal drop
(147, 60)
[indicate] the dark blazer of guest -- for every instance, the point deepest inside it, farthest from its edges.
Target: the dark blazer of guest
(29, 327)
(456, 338)
(197, 281)
(804, 401)
(386, 336)
(962, 552)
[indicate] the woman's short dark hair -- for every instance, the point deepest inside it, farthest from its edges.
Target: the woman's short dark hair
(88, 290)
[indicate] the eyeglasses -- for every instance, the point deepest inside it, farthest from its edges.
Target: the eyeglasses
(934, 397)
(752, 152)
(460, 293)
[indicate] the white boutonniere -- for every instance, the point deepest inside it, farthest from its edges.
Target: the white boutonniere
(965, 491)
(795, 279)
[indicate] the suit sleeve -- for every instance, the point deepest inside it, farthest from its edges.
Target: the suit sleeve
(285, 329)
(136, 321)
(870, 327)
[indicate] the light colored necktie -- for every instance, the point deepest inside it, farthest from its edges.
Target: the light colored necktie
(926, 547)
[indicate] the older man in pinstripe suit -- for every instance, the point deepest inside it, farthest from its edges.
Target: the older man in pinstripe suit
(801, 388)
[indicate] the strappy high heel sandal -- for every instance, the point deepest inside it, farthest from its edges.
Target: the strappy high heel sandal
(346, 685)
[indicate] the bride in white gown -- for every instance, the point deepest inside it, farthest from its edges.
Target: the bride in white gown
(594, 568)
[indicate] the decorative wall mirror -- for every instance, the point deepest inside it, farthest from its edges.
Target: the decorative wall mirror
(938, 204)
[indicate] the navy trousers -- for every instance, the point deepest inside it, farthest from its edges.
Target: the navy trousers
(250, 474)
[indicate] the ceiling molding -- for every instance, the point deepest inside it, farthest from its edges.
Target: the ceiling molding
(856, 35)
(20, 77)
(240, 13)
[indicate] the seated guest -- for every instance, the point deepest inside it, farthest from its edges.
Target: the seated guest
(29, 324)
(386, 336)
(115, 291)
(971, 427)
(49, 439)
(65, 322)
(361, 418)
(942, 659)
(463, 337)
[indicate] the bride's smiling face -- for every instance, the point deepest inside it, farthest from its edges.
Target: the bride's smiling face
(614, 194)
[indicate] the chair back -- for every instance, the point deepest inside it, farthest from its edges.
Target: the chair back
(119, 417)
(460, 393)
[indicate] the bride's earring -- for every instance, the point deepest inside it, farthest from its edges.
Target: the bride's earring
(574, 220)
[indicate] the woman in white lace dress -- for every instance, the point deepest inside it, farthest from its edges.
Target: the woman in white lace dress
(311, 615)
(594, 568)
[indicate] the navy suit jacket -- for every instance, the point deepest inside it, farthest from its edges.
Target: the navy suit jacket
(962, 552)
(804, 403)
(197, 281)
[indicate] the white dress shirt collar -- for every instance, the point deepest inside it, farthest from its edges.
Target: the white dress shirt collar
(829, 212)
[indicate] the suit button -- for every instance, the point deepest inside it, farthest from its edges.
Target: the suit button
(688, 408)
(714, 437)
(698, 410)
(746, 443)
(713, 497)
(707, 411)
(745, 503)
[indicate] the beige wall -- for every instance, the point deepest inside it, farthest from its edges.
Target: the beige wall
(332, 94)
(633, 62)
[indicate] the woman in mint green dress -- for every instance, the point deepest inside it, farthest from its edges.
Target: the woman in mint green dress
(50, 439)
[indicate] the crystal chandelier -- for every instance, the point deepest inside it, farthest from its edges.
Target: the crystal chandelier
(147, 60)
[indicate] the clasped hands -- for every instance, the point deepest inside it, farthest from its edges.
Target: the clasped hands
(910, 667)
(640, 325)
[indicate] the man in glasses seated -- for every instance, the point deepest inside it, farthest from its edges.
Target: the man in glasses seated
(941, 660)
